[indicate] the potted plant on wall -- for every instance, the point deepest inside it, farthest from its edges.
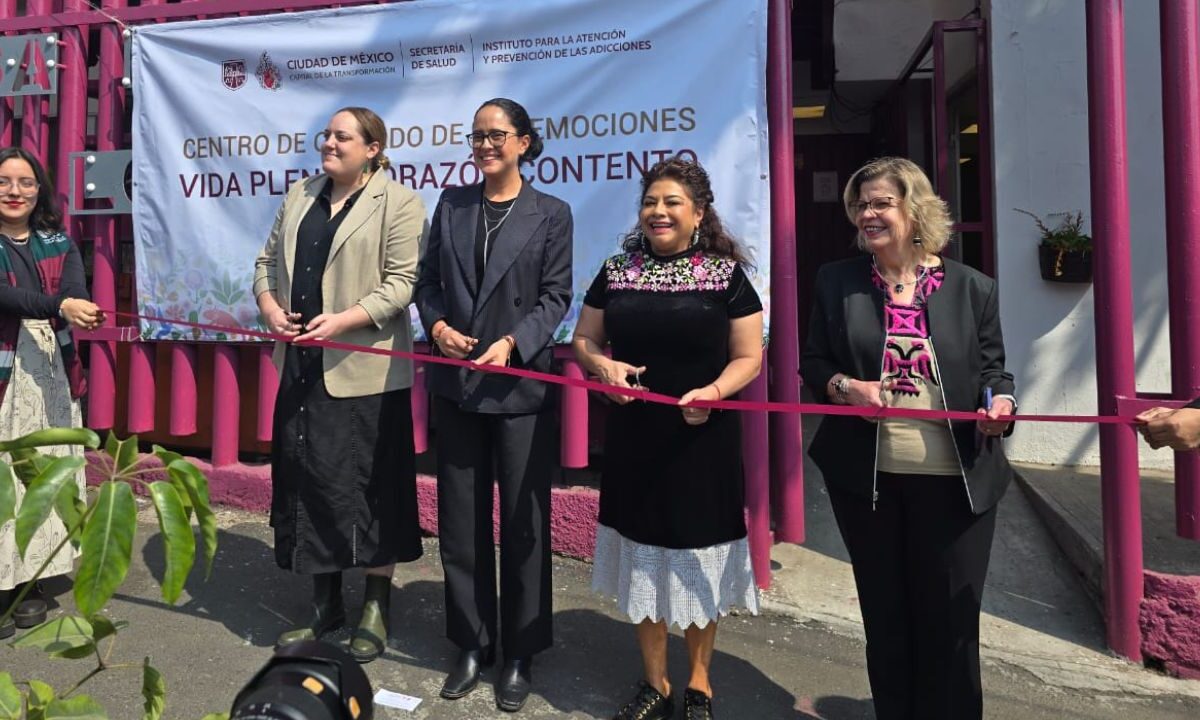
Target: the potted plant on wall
(1065, 251)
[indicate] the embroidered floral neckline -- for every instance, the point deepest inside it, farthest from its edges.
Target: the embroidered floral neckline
(686, 271)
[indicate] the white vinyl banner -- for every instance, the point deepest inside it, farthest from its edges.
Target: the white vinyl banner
(227, 114)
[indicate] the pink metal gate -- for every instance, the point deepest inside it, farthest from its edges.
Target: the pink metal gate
(123, 369)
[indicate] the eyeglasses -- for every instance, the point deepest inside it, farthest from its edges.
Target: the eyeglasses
(25, 185)
(495, 137)
(877, 205)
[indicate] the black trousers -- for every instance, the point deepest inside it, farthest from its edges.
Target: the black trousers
(517, 452)
(920, 559)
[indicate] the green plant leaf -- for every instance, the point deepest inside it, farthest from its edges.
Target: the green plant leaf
(8, 493)
(123, 452)
(61, 633)
(196, 487)
(154, 690)
(216, 716)
(106, 547)
(167, 457)
(39, 498)
(179, 544)
(77, 653)
(53, 436)
(102, 627)
(27, 464)
(11, 699)
(80, 707)
(70, 509)
(40, 695)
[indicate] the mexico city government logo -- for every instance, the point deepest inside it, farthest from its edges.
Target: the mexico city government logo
(233, 74)
(268, 73)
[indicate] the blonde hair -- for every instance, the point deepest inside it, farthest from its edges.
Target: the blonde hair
(928, 213)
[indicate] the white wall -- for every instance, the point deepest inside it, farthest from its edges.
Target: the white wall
(1039, 104)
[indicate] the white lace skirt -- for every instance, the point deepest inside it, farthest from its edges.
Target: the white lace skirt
(683, 587)
(38, 397)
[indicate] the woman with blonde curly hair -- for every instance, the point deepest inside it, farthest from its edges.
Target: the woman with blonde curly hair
(915, 499)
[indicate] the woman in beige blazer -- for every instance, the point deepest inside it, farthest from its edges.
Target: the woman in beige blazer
(340, 263)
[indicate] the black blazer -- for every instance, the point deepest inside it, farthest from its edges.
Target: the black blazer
(525, 292)
(846, 334)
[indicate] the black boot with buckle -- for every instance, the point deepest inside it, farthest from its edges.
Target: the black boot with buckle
(329, 613)
(696, 705)
(370, 638)
(648, 704)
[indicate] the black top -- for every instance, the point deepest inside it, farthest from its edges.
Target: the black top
(27, 300)
(491, 216)
(664, 482)
(314, 238)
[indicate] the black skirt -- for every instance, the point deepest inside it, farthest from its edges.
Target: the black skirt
(343, 474)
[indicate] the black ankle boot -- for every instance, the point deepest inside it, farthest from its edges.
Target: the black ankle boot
(328, 611)
(512, 688)
(30, 612)
(465, 675)
(8, 628)
(370, 638)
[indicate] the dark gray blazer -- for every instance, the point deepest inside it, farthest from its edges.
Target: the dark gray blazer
(525, 293)
(846, 334)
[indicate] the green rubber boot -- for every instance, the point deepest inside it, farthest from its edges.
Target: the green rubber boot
(329, 613)
(370, 638)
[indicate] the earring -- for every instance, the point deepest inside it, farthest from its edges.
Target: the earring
(696, 236)
(916, 239)
(642, 240)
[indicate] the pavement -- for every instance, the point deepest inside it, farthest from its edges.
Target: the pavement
(1039, 617)
(781, 664)
(1042, 635)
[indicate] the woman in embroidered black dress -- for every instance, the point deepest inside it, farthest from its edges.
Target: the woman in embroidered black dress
(683, 319)
(915, 499)
(42, 295)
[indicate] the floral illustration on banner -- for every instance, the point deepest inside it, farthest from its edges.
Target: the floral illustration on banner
(197, 292)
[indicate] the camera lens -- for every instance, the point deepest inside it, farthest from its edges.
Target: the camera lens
(306, 681)
(296, 691)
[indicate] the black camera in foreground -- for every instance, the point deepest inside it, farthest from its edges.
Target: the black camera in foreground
(307, 680)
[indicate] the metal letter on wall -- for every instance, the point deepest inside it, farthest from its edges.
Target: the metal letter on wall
(28, 65)
(105, 179)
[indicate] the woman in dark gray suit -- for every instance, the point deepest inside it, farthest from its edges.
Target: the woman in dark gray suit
(494, 283)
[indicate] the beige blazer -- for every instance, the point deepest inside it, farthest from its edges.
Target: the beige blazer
(372, 263)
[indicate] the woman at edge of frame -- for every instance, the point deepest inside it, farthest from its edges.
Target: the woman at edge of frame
(43, 295)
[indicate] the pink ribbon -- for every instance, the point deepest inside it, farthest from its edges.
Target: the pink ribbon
(647, 395)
